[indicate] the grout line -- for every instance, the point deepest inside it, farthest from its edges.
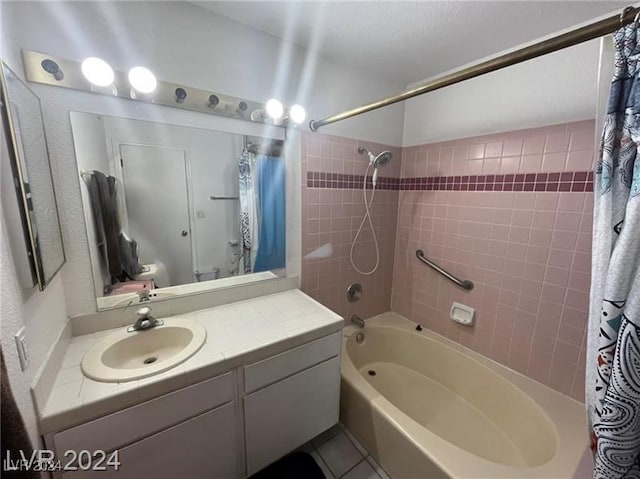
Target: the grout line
(354, 466)
(375, 466)
(351, 438)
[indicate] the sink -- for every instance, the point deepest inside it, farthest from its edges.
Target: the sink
(124, 356)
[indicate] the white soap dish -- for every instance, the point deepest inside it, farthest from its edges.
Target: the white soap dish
(463, 314)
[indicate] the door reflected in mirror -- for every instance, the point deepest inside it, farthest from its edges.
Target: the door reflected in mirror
(167, 206)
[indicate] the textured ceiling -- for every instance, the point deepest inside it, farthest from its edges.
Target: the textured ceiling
(409, 41)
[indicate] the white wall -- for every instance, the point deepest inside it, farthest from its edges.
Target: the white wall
(43, 314)
(556, 88)
(182, 43)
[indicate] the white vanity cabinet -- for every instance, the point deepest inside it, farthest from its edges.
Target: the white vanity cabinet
(229, 426)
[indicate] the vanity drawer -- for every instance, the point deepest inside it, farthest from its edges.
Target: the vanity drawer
(110, 432)
(271, 370)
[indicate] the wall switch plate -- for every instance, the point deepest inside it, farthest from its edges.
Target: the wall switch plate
(21, 345)
(463, 314)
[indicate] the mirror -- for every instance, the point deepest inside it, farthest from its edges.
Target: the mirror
(172, 208)
(31, 174)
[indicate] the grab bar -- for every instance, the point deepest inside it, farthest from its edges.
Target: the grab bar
(463, 283)
(224, 197)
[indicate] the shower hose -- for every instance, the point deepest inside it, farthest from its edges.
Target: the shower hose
(365, 218)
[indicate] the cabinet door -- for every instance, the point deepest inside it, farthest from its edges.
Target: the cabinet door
(289, 413)
(202, 447)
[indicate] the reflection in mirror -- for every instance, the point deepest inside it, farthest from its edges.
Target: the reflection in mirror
(167, 206)
(31, 174)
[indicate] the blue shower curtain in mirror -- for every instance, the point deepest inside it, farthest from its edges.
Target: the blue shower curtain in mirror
(272, 226)
(613, 356)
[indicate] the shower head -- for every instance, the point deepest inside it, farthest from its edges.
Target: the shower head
(378, 161)
(382, 159)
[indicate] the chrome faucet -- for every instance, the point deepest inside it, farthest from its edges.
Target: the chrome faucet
(357, 320)
(145, 321)
(143, 296)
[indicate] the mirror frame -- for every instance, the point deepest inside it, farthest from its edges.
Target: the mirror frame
(18, 164)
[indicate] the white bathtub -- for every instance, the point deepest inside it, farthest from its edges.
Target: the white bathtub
(426, 407)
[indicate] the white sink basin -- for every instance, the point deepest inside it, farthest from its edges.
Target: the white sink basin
(124, 356)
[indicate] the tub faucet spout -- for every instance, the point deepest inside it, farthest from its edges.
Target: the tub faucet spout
(357, 320)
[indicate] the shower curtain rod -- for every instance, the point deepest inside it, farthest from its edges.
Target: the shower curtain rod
(565, 40)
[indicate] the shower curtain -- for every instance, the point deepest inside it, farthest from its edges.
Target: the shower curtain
(613, 358)
(249, 208)
(271, 190)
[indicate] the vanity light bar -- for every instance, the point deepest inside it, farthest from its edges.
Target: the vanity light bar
(57, 71)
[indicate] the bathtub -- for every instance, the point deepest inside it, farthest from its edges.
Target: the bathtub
(426, 407)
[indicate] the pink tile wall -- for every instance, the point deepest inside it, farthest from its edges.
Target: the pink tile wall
(528, 252)
(331, 215)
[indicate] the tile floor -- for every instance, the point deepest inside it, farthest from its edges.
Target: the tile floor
(341, 456)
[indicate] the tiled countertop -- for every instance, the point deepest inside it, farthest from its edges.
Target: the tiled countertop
(237, 333)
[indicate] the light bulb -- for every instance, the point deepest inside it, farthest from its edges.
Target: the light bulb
(142, 79)
(258, 115)
(297, 114)
(97, 71)
(274, 109)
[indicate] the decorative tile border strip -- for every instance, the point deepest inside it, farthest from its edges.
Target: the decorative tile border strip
(574, 181)
(342, 181)
(567, 181)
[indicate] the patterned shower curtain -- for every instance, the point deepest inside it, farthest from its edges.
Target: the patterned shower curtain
(613, 361)
(249, 208)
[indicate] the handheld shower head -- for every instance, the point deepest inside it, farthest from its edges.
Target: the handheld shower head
(382, 159)
(378, 161)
